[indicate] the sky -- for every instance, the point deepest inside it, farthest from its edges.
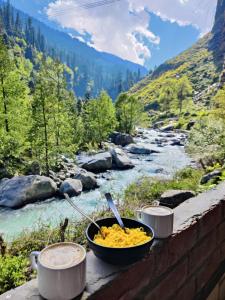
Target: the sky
(143, 31)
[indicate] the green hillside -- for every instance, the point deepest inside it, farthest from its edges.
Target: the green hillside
(197, 63)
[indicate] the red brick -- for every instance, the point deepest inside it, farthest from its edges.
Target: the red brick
(183, 242)
(130, 281)
(170, 284)
(202, 251)
(221, 233)
(208, 269)
(210, 220)
(188, 290)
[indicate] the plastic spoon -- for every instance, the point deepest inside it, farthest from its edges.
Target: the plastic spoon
(114, 210)
(83, 214)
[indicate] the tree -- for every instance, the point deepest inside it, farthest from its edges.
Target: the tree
(14, 106)
(99, 119)
(53, 112)
(184, 91)
(129, 112)
(167, 94)
(219, 101)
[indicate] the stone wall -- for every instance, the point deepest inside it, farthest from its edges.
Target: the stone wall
(188, 265)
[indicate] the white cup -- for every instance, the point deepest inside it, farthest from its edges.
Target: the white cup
(64, 277)
(160, 218)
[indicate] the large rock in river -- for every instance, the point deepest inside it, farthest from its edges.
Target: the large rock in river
(120, 159)
(173, 198)
(121, 139)
(88, 179)
(72, 187)
(140, 149)
(21, 190)
(97, 163)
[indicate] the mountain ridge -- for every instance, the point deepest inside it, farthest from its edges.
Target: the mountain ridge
(203, 63)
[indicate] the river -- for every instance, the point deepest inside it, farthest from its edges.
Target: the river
(163, 164)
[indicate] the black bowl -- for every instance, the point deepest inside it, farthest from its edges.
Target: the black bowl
(118, 256)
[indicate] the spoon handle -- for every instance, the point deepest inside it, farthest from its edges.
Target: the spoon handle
(80, 211)
(114, 209)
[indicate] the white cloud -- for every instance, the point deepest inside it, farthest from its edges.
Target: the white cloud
(123, 27)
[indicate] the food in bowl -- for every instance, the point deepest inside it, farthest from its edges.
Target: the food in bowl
(116, 237)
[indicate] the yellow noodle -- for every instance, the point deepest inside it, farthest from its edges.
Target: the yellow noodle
(115, 237)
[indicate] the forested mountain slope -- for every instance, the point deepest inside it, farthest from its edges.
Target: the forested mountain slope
(202, 64)
(94, 70)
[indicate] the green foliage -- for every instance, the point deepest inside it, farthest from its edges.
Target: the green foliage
(52, 132)
(184, 91)
(13, 272)
(207, 138)
(167, 94)
(129, 112)
(219, 103)
(148, 190)
(14, 107)
(197, 63)
(99, 119)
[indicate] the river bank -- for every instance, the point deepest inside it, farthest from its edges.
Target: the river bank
(164, 164)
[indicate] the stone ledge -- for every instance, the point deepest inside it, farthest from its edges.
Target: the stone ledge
(193, 220)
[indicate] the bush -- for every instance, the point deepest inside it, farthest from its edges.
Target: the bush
(13, 272)
(148, 190)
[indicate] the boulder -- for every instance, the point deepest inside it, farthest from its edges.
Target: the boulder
(72, 187)
(190, 124)
(21, 190)
(120, 159)
(176, 142)
(169, 127)
(212, 175)
(97, 163)
(158, 124)
(121, 139)
(140, 149)
(88, 179)
(173, 198)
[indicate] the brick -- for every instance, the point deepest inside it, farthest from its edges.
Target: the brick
(208, 269)
(183, 242)
(175, 248)
(187, 292)
(210, 220)
(221, 233)
(202, 251)
(170, 284)
(129, 282)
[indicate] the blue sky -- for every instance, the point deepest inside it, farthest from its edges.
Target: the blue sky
(143, 31)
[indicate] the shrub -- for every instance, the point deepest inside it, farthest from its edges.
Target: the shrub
(13, 272)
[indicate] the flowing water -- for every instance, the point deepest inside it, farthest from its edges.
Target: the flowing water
(163, 164)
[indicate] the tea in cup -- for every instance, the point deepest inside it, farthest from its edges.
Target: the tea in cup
(61, 270)
(159, 218)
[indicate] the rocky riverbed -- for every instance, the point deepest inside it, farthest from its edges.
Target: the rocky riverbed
(150, 153)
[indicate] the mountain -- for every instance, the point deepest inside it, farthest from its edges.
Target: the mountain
(95, 70)
(203, 63)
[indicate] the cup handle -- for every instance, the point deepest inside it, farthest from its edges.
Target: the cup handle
(138, 215)
(33, 257)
